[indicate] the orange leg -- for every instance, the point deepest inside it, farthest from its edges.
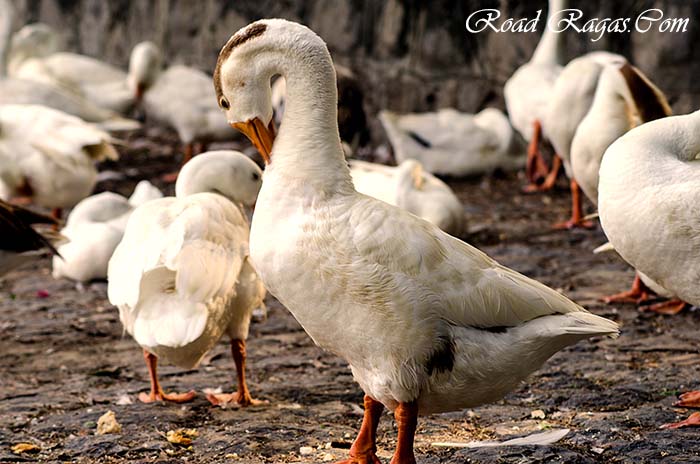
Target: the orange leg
(689, 400)
(535, 168)
(576, 211)
(549, 181)
(242, 396)
(692, 421)
(668, 308)
(406, 416)
(364, 448)
(157, 393)
(637, 294)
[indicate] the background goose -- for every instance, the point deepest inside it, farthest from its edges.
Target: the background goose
(181, 277)
(94, 228)
(451, 143)
(648, 192)
(529, 89)
(49, 156)
(570, 101)
(101, 83)
(20, 242)
(22, 91)
(426, 322)
(410, 187)
(182, 97)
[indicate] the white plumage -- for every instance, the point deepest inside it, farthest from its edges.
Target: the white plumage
(94, 228)
(426, 322)
(180, 276)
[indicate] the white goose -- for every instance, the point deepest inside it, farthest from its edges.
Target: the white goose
(94, 228)
(22, 91)
(101, 83)
(624, 98)
(48, 156)
(427, 322)
(182, 98)
(570, 101)
(181, 276)
(527, 95)
(648, 197)
(32, 40)
(451, 143)
(410, 187)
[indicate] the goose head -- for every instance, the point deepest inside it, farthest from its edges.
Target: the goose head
(144, 66)
(226, 172)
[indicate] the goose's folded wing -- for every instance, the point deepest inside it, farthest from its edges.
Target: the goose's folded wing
(172, 264)
(441, 276)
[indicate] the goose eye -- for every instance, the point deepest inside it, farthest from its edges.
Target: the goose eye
(223, 103)
(256, 176)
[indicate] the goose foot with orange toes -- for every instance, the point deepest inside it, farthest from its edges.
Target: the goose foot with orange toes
(242, 396)
(577, 219)
(536, 168)
(157, 393)
(687, 400)
(638, 294)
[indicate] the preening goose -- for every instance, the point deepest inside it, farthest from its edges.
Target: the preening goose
(570, 101)
(94, 228)
(624, 98)
(426, 322)
(181, 276)
(48, 156)
(451, 143)
(22, 91)
(649, 190)
(19, 242)
(101, 83)
(410, 187)
(527, 95)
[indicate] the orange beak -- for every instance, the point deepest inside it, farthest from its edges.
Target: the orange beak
(139, 92)
(261, 136)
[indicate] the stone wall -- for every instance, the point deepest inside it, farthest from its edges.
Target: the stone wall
(411, 55)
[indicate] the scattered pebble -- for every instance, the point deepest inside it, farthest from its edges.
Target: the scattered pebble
(537, 414)
(181, 436)
(107, 423)
(306, 450)
(20, 448)
(328, 457)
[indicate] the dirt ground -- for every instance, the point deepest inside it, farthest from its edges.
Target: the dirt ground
(64, 361)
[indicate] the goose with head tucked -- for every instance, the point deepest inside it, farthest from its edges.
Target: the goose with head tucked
(181, 276)
(624, 98)
(648, 202)
(48, 156)
(527, 95)
(101, 83)
(571, 99)
(410, 187)
(451, 143)
(15, 90)
(427, 322)
(94, 228)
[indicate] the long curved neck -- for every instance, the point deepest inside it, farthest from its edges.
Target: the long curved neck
(550, 49)
(7, 13)
(307, 146)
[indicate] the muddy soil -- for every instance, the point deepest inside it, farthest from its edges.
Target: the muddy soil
(64, 361)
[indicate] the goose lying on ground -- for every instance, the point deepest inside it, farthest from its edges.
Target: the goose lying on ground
(410, 187)
(451, 143)
(48, 157)
(181, 276)
(94, 228)
(427, 323)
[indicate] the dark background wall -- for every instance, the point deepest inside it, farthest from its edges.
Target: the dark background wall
(410, 55)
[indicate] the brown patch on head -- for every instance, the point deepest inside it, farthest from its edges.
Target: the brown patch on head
(650, 102)
(250, 32)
